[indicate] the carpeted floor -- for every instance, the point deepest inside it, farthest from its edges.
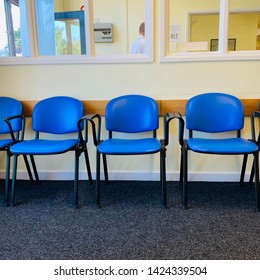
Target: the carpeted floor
(220, 224)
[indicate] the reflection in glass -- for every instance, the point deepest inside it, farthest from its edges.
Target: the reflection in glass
(124, 18)
(244, 24)
(70, 33)
(60, 27)
(193, 24)
(204, 28)
(13, 28)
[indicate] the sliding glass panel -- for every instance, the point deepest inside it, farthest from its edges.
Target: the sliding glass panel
(13, 28)
(116, 25)
(244, 25)
(193, 25)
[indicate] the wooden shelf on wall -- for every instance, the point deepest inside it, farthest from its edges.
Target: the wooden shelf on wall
(171, 106)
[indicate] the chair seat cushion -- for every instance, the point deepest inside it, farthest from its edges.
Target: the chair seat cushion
(222, 146)
(116, 146)
(43, 146)
(5, 143)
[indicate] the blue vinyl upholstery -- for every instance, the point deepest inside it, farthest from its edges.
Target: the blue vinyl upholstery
(131, 114)
(58, 115)
(214, 112)
(10, 107)
(207, 115)
(61, 118)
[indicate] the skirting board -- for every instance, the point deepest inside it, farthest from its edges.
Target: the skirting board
(136, 176)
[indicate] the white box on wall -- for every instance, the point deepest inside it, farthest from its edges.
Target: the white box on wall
(103, 33)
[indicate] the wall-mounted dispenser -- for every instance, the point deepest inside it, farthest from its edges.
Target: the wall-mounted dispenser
(103, 33)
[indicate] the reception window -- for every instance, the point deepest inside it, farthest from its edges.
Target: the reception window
(75, 31)
(209, 30)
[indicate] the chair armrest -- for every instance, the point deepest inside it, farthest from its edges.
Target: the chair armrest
(95, 132)
(168, 117)
(253, 116)
(8, 121)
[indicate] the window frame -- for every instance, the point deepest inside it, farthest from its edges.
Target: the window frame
(90, 57)
(222, 53)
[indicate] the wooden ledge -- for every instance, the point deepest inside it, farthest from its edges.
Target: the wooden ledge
(171, 106)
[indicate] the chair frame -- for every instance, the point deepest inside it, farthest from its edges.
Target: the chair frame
(17, 135)
(184, 164)
(79, 148)
(254, 115)
(97, 140)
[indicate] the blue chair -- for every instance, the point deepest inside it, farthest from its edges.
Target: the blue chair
(11, 108)
(254, 116)
(130, 114)
(58, 115)
(215, 113)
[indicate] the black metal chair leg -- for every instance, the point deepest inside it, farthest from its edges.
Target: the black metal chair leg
(76, 180)
(98, 180)
(257, 186)
(185, 179)
(7, 178)
(252, 174)
(34, 169)
(88, 166)
(28, 167)
(243, 170)
(181, 169)
(163, 178)
(12, 200)
(104, 157)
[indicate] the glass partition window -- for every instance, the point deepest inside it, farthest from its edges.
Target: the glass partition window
(192, 25)
(77, 31)
(115, 30)
(13, 28)
(204, 31)
(70, 33)
(244, 24)
(60, 27)
(209, 30)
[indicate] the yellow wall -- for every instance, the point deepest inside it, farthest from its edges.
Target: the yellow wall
(244, 29)
(125, 20)
(67, 5)
(158, 80)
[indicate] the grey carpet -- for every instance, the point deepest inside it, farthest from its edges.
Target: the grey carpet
(220, 224)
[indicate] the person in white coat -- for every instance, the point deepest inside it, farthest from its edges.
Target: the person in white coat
(138, 46)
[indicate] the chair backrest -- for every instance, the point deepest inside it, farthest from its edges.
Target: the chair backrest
(214, 112)
(57, 115)
(10, 107)
(131, 114)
